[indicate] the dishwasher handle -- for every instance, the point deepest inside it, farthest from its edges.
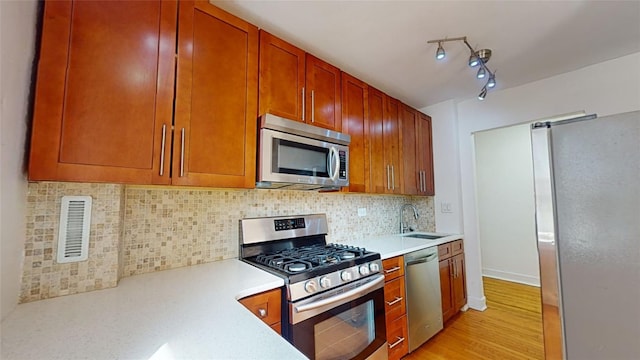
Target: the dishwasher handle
(421, 260)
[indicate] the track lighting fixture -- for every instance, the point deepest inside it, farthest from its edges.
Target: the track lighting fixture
(476, 58)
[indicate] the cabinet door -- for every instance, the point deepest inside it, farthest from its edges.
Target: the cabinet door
(458, 285)
(446, 276)
(104, 91)
(379, 170)
(397, 338)
(394, 298)
(215, 119)
(391, 143)
(425, 153)
(354, 99)
(322, 94)
(408, 138)
(282, 78)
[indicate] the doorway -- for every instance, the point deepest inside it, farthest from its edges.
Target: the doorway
(505, 204)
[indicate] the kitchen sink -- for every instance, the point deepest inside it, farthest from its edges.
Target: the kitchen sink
(424, 236)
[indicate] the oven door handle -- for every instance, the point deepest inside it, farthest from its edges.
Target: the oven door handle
(347, 295)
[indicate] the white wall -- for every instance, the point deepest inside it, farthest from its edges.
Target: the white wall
(446, 166)
(606, 88)
(18, 31)
(506, 206)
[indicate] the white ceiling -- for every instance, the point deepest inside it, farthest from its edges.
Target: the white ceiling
(384, 43)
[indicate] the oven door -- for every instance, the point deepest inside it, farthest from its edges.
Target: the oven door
(288, 158)
(347, 323)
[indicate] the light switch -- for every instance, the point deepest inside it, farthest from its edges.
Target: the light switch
(445, 207)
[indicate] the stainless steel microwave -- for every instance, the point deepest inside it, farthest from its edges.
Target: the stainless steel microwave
(297, 156)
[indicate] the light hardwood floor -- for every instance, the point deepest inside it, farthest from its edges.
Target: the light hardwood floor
(510, 328)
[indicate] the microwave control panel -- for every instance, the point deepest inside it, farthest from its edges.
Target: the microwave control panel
(343, 164)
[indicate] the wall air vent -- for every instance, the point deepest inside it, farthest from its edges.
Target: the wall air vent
(73, 237)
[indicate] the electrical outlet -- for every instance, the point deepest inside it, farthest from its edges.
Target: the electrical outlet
(362, 211)
(445, 207)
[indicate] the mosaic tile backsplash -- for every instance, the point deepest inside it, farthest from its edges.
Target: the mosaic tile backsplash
(42, 276)
(137, 230)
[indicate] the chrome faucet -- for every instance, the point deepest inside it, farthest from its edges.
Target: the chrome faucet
(403, 226)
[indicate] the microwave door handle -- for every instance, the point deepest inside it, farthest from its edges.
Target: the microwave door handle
(334, 157)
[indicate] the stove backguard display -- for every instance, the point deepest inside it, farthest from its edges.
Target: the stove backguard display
(289, 224)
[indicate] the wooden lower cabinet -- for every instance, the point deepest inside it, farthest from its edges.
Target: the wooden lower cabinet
(452, 278)
(266, 306)
(397, 337)
(395, 307)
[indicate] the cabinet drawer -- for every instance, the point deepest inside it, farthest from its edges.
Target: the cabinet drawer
(394, 298)
(397, 341)
(444, 251)
(457, 247)
(393, 268)
(265, 305)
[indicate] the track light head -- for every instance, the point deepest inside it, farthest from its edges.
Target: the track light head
(440, 52)
(481, 73)
(474, 60)
(483, 93)
(492, 81)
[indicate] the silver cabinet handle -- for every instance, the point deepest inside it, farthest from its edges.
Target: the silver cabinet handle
(393, 178)
(423, 183)
(388, 179)
(453, 272)
(393, 269)
(164, 138)
(397, 300)
(303, 101)
(398, 342)
(262, 312)
(182, 153)
(313, 106)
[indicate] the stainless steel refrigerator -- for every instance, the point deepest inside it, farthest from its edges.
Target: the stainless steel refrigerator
(587, 193)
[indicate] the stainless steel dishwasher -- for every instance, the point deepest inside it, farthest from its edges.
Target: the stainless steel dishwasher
(424, 305)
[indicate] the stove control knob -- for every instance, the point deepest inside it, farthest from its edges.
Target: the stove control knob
(325, 282)
(346, 275)
(310, 286)
(374, 267)
(364, 270)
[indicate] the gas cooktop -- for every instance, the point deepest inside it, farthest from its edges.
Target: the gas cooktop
(295, 249)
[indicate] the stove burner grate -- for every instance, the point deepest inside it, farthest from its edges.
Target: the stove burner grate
(299, 259)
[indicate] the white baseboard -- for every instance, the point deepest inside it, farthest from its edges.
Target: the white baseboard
(514, 277)
(475, 303)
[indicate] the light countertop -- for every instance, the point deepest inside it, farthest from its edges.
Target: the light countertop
(186, 313)
(394, 245)
(190, 312)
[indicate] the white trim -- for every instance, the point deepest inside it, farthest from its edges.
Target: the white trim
(479, 304)
(513, 277)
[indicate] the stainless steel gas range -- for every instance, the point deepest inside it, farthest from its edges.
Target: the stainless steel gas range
(333, 301)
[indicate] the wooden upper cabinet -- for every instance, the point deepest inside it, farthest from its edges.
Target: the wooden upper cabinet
(385, 167)
(425, 152)
(100, 103)
(409, 148)
(354, 119)
(322, 94)
(216, 98)
(298, 86)
(282, 78)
